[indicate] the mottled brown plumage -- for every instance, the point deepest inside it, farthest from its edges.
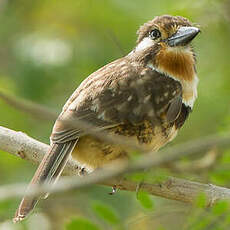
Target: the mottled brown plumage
(145, 96)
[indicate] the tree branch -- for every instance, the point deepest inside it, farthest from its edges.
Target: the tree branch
(21, 145)
(35, 110)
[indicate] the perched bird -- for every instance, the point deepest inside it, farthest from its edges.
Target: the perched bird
(145, 96)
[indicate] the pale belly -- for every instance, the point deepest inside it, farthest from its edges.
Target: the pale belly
(92, 153)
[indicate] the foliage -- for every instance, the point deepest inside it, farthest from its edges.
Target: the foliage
(48, 47)
(106, 213)
(81, 224)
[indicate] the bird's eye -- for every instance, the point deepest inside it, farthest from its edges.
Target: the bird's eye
(154, 34)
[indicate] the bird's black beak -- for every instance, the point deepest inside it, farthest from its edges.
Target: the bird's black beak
(183, 36)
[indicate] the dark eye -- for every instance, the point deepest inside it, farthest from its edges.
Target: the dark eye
(154, 34)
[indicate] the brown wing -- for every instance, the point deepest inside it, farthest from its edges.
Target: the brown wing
(119, 93)
(174, 109)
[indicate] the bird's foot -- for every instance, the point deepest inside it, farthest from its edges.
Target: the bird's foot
(82, 171)
(114, 190)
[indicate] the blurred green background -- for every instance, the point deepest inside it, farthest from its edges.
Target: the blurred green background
(48, 47)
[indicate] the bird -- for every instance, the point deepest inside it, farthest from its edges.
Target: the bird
(145, 96)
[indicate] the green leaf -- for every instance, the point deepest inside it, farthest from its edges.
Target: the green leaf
(220, 208)
(225, 158)
(201, 224)
(81, 224)
(201, 200)
(145, 200)
(220, 176)
(106, 212)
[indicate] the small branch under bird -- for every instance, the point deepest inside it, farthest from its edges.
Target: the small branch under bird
(145, 96)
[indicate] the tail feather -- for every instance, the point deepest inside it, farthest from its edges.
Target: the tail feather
(48, 171)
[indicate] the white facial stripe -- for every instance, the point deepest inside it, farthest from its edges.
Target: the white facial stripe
(190, 86)
(145, 43)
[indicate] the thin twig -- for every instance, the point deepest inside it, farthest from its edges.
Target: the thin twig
(171, 188)
(116, 41)
(36, 110)
(204, 163)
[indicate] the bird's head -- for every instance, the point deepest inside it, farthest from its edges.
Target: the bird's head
(165, 44)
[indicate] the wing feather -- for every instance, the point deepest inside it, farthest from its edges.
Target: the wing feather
(124, 95)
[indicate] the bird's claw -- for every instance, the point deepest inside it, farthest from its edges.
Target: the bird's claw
(114, 190)
(82, 171)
